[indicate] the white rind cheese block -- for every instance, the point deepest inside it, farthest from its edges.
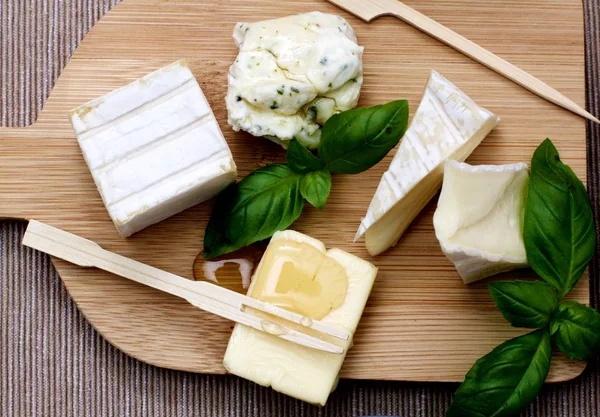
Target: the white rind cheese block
(154, 148)
(479, 218)
(304, 373)
(446, 125)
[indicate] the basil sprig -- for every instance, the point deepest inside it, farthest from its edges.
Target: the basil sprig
(272, 198)
(560, 240)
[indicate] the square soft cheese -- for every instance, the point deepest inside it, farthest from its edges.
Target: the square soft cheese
(154, 148)
(301, 372)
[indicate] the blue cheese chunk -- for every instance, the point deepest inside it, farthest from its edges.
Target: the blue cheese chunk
(292, 74)
(154, 148)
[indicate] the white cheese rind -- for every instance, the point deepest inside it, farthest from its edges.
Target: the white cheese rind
(284, 68)
(446, 125)
(307, 374)
(154, 148)
(478, 221)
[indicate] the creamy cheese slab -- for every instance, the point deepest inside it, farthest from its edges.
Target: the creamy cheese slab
(304, 373)
(292, 74)
(154, 148)
(448, 124)
(479, 218)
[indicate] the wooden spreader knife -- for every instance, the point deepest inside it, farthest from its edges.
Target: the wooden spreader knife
(369, 10)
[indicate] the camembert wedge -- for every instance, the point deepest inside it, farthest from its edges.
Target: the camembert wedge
(154, 148)
(298, 273)
(479, 218)
(447, 125)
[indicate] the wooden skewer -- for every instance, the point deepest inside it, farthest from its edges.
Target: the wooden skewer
(371, 9)
(206, 296)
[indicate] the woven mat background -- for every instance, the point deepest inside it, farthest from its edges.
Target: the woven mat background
(53, 363)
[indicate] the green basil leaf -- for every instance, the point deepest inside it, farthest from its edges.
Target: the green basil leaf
(559, 231)
(576, 330)
(506, 380)
(266, 201)
(525, 303)
(215, 239)
(315, 188)
(355, 140)
(301, 160)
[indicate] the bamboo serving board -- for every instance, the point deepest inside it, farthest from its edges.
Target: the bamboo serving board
(421, 323)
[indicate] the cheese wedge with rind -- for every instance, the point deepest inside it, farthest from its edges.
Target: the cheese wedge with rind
(154, 148)
(479, 218)
(304, 373)
(447, 125)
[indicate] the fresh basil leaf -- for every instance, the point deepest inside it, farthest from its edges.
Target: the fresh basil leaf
(215, 239)
(264, 202)
(268, 200)
(315, 187)
(525, 303)
(506, 380)
(576, 330)
(559, 231)
(301, 160)
(355, 140)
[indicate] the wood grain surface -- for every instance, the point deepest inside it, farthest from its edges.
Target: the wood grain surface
(421, 323)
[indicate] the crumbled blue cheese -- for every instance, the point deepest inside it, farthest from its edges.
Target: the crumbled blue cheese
(292, 74)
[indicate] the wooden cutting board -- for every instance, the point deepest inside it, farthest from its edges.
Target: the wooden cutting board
(421, 323)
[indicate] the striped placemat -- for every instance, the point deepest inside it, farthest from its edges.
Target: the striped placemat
(53, 363)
